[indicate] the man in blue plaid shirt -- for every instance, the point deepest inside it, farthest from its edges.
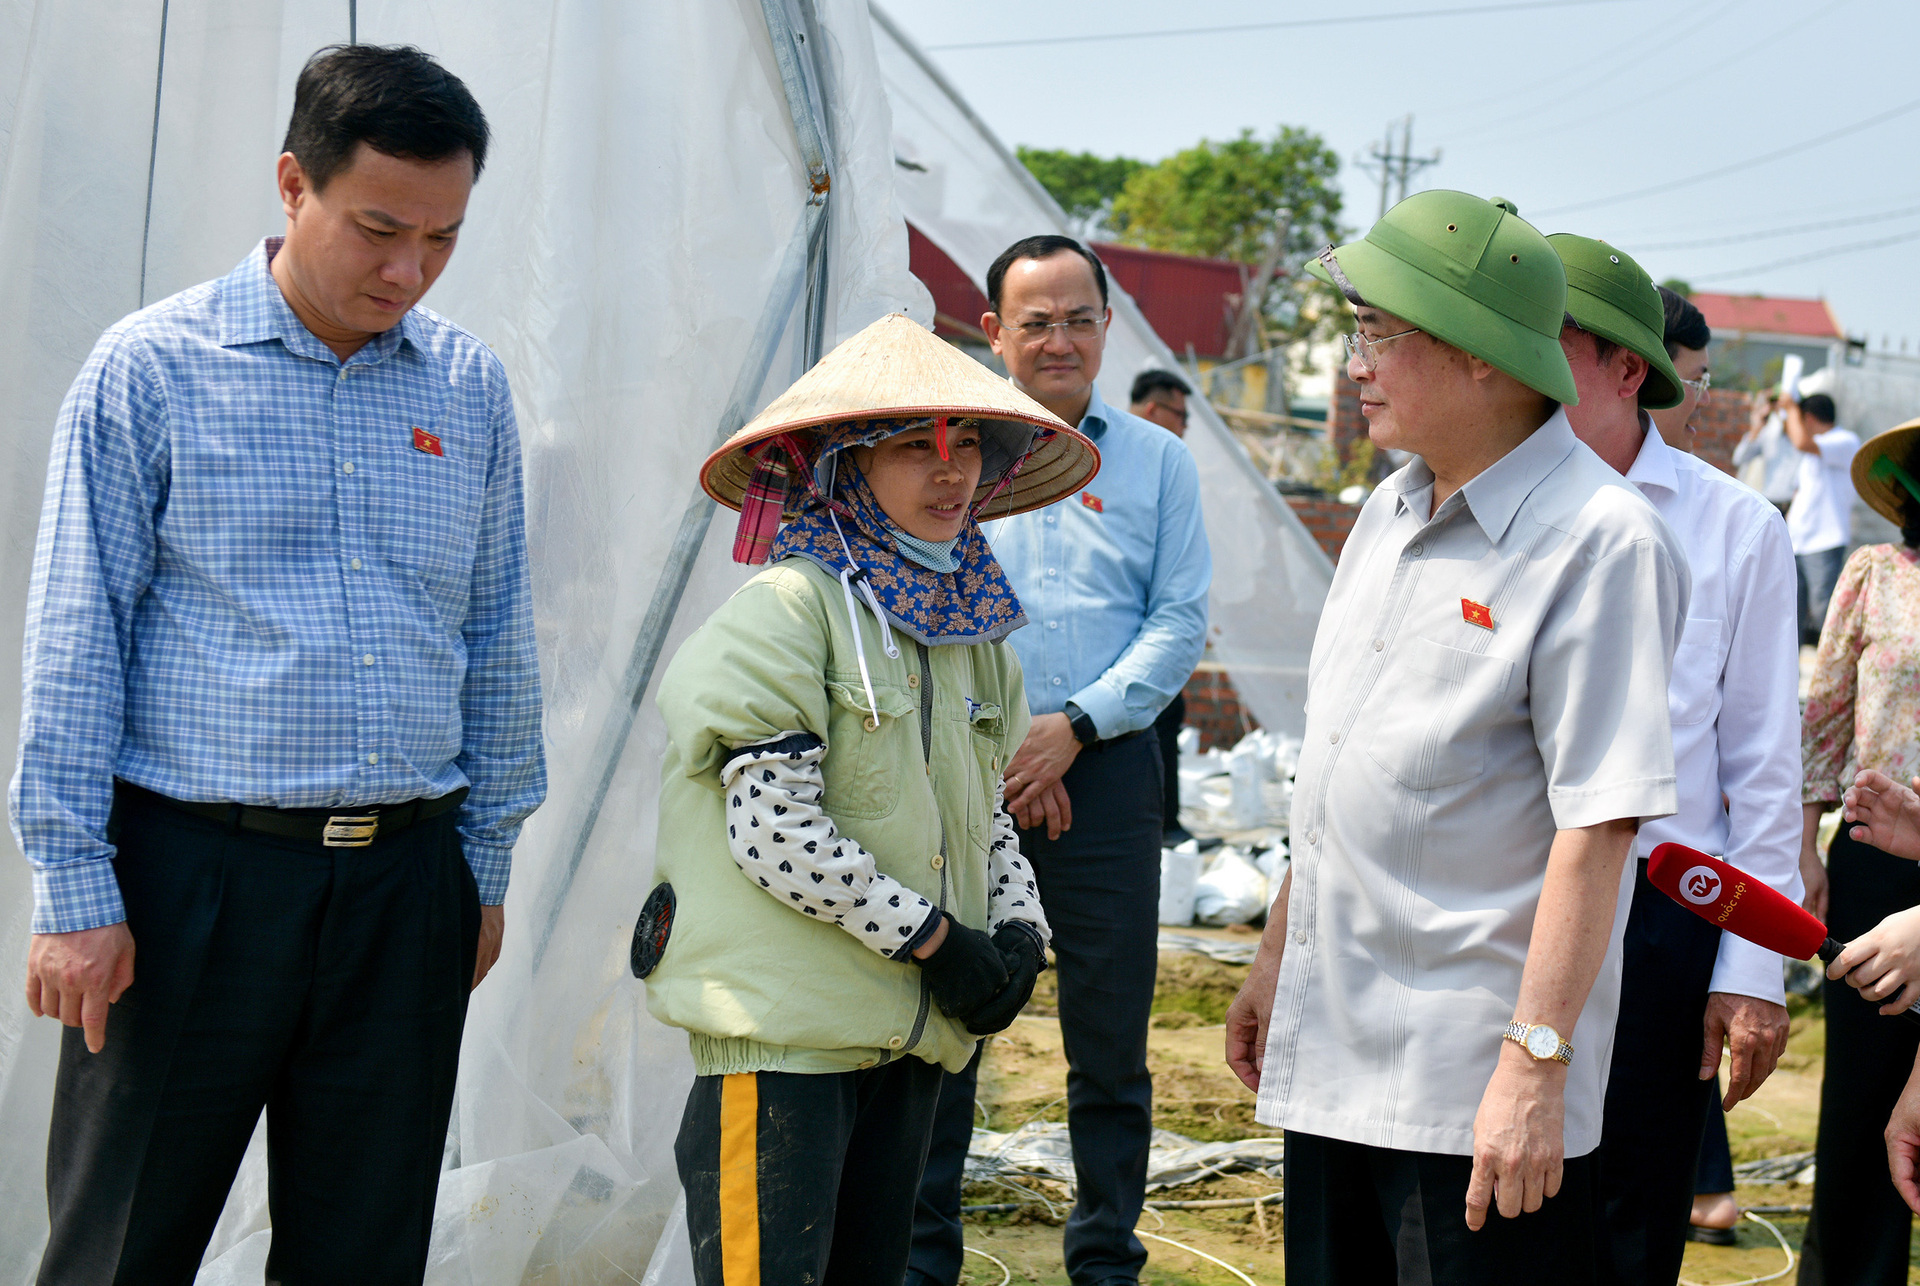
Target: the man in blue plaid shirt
(282, 715)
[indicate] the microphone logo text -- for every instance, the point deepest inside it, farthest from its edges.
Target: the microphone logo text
(1700, 885)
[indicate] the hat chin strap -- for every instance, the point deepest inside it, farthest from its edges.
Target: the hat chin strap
(1887, 467)
(1334, 270)
(848, 575)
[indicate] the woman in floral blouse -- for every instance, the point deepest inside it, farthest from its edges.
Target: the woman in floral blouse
(1863, 711)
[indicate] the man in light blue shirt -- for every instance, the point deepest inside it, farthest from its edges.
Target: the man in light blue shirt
(1114, 584)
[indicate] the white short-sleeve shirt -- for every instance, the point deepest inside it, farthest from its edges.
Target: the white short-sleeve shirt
(1481, 679)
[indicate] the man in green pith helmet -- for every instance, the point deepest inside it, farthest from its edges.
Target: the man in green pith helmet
(1431, 1011)
(1686, 988)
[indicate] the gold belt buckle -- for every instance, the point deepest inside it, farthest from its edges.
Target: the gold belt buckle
(350, 832)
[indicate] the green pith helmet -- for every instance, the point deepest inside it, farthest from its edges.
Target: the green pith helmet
(1612, 296)
(1469, 272)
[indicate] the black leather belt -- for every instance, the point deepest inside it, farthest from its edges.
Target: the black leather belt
(342, 828)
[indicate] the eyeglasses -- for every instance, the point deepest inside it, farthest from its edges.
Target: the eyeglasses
(1037, 332)
(1701, 385)
(1366, 350)
(1177, 412)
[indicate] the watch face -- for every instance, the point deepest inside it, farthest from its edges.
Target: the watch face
(1542, 1041)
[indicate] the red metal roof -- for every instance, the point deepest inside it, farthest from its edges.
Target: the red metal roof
(957, 302)
(1184, 298)
(1773, 316)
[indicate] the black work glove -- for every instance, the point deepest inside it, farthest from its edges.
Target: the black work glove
(966, 972)
(1020, 950)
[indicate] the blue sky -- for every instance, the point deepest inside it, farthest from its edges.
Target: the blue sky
(1554, 106)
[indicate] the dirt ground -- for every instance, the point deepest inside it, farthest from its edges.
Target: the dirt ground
(1024, 1077)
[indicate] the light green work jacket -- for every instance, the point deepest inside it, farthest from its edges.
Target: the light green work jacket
(758, 985)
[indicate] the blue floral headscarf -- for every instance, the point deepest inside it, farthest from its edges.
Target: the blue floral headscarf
(974, 603)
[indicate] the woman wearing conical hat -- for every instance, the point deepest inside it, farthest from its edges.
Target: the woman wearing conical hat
(842, 908)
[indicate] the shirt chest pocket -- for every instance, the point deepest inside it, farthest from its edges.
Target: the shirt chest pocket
(865, 752)
(1430, 716)
(1696, 671)
(425, 510)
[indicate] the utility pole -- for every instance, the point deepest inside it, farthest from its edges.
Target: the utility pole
(1397, 168)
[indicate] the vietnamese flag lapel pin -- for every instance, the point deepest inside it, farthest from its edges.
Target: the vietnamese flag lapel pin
(1476, 613)
(425, 441)
(1092, 502)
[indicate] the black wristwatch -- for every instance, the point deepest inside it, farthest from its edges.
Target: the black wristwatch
(1082, 724)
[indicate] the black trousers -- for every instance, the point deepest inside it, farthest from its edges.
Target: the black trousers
(1100, 884)
(1858, 1234)
(325, 985)
(794, 1179)
(1364, 1216)
(1656, 1107)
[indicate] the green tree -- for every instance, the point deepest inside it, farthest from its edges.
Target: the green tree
(1084, 184)
(1257, 201)
(1678, 287)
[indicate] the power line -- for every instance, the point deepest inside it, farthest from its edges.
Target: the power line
(1342, 20)
(1737, 166)
(1745, 225)
(1694, 75)
(1829, 253)
(1770, 234)
(1604, 69)
(1666, 87)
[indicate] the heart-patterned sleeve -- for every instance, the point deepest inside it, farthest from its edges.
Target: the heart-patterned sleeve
(783, 840)
(1011, 894)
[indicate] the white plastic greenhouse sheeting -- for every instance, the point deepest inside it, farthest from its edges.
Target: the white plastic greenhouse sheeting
(621, 251)
(972, 198)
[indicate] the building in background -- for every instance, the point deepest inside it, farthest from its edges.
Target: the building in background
(1752, 335)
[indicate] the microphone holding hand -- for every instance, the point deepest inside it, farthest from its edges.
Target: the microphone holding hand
(1729, 897)
(1880, 963)
(1880, 811)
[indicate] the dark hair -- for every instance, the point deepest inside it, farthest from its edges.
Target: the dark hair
(393, 98)
(1152, 381)
(1045, 246)
(1910, 527)
(1686, 325)
(1817, 406)
(1603, 348)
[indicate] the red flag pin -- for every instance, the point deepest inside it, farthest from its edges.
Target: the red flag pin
(1476, 613)
(1092, 502)
(425, 441)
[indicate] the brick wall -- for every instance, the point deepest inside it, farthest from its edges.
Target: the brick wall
(1718, 427)
(1345, 424)
(1213, 707)
(1328, 520)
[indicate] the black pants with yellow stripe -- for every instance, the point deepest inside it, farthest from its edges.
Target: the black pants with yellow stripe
(801, 1180)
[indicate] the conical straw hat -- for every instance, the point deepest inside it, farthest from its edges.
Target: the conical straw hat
(1881, 487)
(894, 369)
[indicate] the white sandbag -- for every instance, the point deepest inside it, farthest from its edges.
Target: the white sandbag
(1247, 772)
(1231, 890)
(1179, 874)
(1273, 865)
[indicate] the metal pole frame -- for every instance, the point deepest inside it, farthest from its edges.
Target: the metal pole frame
(802, 279)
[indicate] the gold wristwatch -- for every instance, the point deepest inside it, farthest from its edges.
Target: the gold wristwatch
(1540, 1041)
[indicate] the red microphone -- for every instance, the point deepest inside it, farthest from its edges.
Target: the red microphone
(1742, 905)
